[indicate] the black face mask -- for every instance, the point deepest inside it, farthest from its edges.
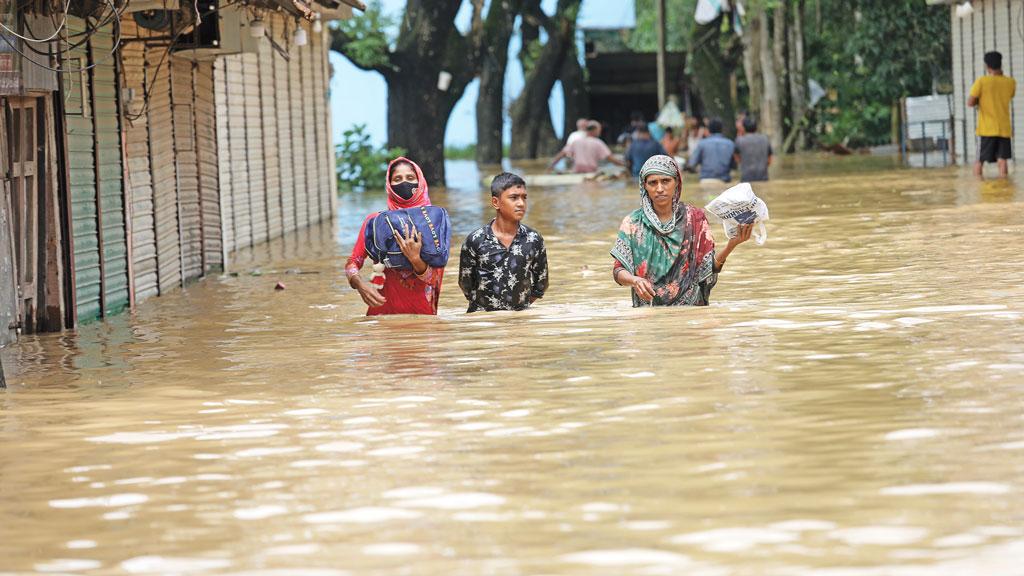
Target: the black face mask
(405, 189)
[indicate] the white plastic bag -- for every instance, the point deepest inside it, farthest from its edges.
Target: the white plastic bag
(738, 205)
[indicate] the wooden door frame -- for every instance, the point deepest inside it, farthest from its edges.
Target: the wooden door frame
(26, 219)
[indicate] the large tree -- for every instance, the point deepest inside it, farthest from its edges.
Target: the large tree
(490, 107)
(428, 44)
(533, 134)
(711, 64)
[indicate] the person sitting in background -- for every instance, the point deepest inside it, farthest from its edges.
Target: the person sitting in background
(504, 265)
(753, 152)
(670, 142)
(642, 148)
(714, 155)
(588, 152)
(581, 131)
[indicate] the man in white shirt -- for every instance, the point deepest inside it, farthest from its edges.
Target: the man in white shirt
(581, 131)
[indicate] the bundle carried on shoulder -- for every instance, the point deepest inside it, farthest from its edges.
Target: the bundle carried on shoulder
(738, 205)
(431, 221)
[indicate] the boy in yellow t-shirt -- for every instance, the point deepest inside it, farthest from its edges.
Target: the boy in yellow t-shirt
(992, 94)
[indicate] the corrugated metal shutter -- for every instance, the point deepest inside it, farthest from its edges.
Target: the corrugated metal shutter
(240, 168)
(224, 170)
(82, 173)
(113, 239)
(187, 167)
(161, 158)
(311, 153)
(254, 148)
(285, 136)
(297, 139)
(319, 90)
(328, 125)
(206, 150)
(140, 182)
(271, 160)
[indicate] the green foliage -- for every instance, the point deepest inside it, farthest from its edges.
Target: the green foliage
(679, 25)
(869, 54)
(360, 164)
(368, 44)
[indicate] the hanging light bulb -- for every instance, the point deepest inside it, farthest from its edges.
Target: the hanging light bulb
(257, 29)
(964, 10)
(300, 38)
(318, 27)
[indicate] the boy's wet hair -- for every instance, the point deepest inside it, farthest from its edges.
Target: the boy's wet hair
(504, 181)
(750, 124)
(994, 60)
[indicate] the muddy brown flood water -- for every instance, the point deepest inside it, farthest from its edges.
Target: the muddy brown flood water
(851, 403)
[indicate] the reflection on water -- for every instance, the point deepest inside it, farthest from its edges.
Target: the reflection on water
(849, 404)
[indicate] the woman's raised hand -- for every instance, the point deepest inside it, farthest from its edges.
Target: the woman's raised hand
(410, 242)
(742, 234)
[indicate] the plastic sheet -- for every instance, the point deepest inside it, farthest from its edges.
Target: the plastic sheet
(739, 205)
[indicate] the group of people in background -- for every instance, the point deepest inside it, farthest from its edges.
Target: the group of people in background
(665, 253)
(700, 147)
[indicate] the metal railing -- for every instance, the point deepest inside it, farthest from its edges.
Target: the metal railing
(928, 144)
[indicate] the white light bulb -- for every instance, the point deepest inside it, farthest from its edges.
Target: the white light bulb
(257, 29)
(318, 27)
(300, 38)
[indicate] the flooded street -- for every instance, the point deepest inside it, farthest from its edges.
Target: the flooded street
(852, 402)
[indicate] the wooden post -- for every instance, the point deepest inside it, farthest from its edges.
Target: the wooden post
(662, 84)
(3, 380)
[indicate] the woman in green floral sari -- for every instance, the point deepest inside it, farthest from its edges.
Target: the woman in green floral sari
(665, 252)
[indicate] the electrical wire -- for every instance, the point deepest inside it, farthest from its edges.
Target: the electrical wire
(67, 7)
(117, 44)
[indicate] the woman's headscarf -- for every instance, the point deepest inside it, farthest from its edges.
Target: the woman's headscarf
(420, 198)
(661, 165)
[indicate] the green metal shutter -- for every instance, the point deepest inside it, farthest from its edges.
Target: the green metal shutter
(82, 174)
(107, 118)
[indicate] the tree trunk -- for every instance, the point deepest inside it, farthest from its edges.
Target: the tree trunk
(771, 106)
(532, 131)
(711, 74)
(3, 379)
(752, 66)
(797, 80)
(418, 116)
(779, 54)
(490, 108)
(574, 92)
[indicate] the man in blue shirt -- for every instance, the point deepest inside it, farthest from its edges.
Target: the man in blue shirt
(642, 148)
(714, 154)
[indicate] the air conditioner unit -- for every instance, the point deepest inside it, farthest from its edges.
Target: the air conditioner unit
(222, 31)
(143, 5)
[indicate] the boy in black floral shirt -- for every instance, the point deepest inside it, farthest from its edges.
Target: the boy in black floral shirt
(504, 265)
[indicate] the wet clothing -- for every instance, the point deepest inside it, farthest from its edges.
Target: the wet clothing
(405, 292)
(677, 256)
(994, 93)
(497, 278)
(993, 148)
(587, 154)
(640, 151)
(714, 155)
(754, 150)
